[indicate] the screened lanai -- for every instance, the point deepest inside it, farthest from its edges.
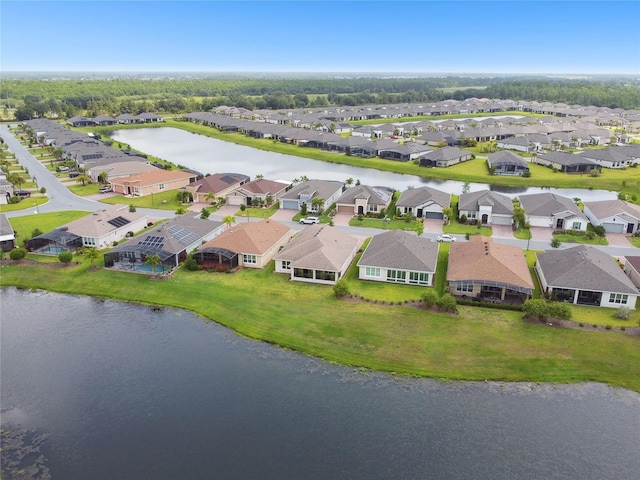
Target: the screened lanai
(54, 242)
(216, 258)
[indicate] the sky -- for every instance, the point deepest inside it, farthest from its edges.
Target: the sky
(570, 37)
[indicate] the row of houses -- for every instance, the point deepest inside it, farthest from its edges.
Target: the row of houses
(106, 120)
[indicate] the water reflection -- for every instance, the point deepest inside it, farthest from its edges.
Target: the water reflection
(209, 155)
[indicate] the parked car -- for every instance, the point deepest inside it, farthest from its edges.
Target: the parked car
(309, 220)
(22, 193)
(105, 190)
(74, 174)
(446, 238)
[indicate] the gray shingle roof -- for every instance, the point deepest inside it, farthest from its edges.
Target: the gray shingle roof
(584, 267)
(373, 195)
(548, 204)
(401, 250)
(418, 196)
(501, 204)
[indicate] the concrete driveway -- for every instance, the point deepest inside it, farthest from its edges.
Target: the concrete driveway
(541, 234)
(618, 240)
(342, 219)
(283, 215)
(502, 231)
(432, 225)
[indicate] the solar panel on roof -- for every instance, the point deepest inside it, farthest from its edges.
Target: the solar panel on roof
(152, 241)
(118, 222)
(182, 235)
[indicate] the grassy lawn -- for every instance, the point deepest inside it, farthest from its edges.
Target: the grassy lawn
(477, 344)
(157, 200)
(26, 203)
(463, 229)
(635, 241)
(522, 234)
(569, 238)
(258, 212)
(46, 222)
(387, 224)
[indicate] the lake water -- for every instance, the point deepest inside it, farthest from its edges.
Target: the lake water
(209, 155)
(108, 390)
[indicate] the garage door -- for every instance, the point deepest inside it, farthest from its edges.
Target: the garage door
(434, 215)
(235, 200)
(498, 220)
(613, 227)
(290, 204)
(345, 209)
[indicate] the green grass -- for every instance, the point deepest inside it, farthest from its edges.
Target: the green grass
(477, 344)
(148, 201)
(635, 241)
(522, 234)
(569, 238)
(24, 204)
(463, 229)
(46, 222)
(258, 212)
(391, 224)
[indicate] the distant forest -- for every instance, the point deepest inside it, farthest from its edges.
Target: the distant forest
(71, 96)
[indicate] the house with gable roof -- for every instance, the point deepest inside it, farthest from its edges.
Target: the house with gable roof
(584, 275)
(318, 254)
(256, 191)
(445, 157)
(566, 162)
(423, 202)
(632, 269)
(251, 245)
(397, 256)
(305, 192)
(486, 271)
(219, 185)
(616, 216)
(553, 211)
(487, 207)
(151, 181)
(507, 163)
(363, 199)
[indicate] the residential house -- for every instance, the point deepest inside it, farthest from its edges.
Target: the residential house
(584, 275)
(553, 211)
(507, 163)
(423, 202)
(445, 157)
(566, 162)
(216, 186)
(327, 190)
(403, 152)
(126, 118)
(251, 245)
(152, 181)
(170, 241)
(104, 120)
(486, 271)
(611, 157)
(7, 235)
(148, 117)
(397, 256)
(318, 254)
(487, 207)
(6, 188)
(80, 121)
(115, 170)
(99, 229)
(632, 269)
(363, 199)
(616, 216)
(257, 191)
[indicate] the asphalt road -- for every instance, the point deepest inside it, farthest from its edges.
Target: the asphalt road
(61, 198)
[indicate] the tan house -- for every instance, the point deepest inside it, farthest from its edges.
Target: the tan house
(483, 270)
(318, 254)
(152, 181)
(257, 191)
(216, 186)
(251, 244)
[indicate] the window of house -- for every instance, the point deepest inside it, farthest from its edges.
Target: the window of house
(249, 259)
(576, 226)
(372, 271)
(618, 298)
(373, 208)
(418, 278)
(465, 287)
(161, 186)
(88, 241)
(396, 276)
(286, 264)
(136, 189)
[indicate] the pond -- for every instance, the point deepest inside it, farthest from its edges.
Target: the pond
(106, 390)
(209, 155)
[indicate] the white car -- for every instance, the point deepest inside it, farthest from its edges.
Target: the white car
(446, 238)
(310, 220)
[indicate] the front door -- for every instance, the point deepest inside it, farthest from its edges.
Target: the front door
(560, 224)
(360, 210)
(630, 228)
(419, 215)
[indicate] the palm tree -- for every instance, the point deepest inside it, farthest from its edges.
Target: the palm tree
(92, 254)
(183, 196)
(229, 220)
(317, 203)
(448, 213)
(84, 178)
(211, 198)
(349, 181)
(259, 176)
(154, 261)
(16, 179)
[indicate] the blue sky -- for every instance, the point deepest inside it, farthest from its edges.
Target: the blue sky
(321, 36)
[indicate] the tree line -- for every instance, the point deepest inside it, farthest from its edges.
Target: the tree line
(37, 98)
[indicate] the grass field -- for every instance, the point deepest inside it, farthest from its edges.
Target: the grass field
(476, 344)
(45, 222)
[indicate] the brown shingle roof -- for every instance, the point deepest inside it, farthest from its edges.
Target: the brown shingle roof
(253, 237)
(481, 259)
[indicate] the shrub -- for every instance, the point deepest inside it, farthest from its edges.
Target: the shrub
(555, 243)
(535, 308)
(65, 257)
(594, 172)
(43, 190)
(429, 298)
(560, 310)
(340, 289)
(17, 254)
(191, 264)
(600, 231)
(623, 313)
(447, 303)
(132, 208)
(36, 232)
(463, 218)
